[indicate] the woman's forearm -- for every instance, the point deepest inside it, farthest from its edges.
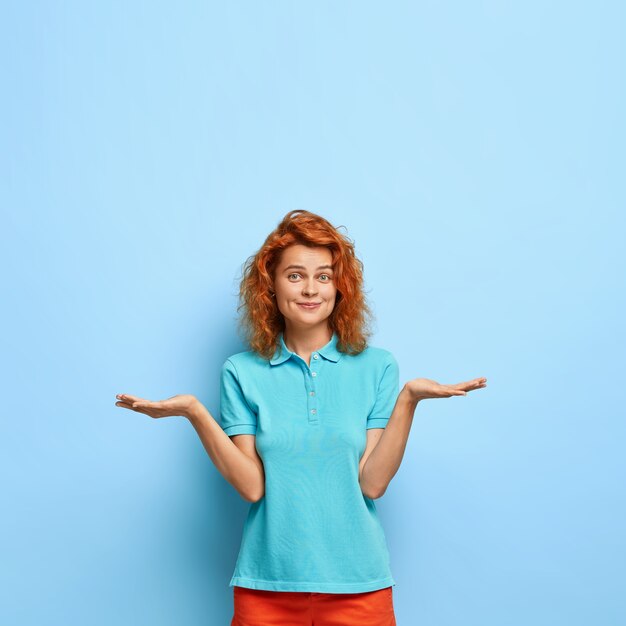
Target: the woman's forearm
(237, 468)
(384, 460)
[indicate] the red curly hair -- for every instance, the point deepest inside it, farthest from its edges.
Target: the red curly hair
(261, 320)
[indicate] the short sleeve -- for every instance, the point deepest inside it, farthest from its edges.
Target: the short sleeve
(237, 418)
(388, 390)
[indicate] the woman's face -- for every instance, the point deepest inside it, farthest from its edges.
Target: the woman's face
(305, 275)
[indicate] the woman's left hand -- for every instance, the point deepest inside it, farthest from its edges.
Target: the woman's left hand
(423, 388)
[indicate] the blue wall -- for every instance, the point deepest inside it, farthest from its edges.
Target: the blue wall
(475, 154)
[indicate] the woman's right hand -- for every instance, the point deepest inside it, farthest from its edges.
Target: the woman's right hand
(176, 405)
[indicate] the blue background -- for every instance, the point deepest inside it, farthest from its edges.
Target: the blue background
(475, 154)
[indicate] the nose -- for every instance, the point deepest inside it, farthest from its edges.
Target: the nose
(308, 289)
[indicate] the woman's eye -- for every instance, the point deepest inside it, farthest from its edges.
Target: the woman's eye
(327, 276)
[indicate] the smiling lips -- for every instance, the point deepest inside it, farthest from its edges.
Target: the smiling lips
(309, 305)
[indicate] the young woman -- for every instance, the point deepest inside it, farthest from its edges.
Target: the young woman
(313, 429)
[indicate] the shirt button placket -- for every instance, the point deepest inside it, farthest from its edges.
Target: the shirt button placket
(312, 397)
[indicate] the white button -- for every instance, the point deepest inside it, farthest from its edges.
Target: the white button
(313, 411)
(313, 373)
(315, 356)
(312, 393)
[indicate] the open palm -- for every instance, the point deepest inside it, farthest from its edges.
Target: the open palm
(423, 388)
(176, 405)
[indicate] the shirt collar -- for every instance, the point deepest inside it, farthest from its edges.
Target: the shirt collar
(329, 351)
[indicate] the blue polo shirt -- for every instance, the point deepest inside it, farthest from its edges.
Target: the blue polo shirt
(313, 530)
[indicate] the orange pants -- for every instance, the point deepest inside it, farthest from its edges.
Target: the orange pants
(257, 607)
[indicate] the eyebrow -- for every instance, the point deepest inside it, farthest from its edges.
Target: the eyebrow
(301, 267)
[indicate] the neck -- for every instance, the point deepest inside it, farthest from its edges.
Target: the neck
(304, 341)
